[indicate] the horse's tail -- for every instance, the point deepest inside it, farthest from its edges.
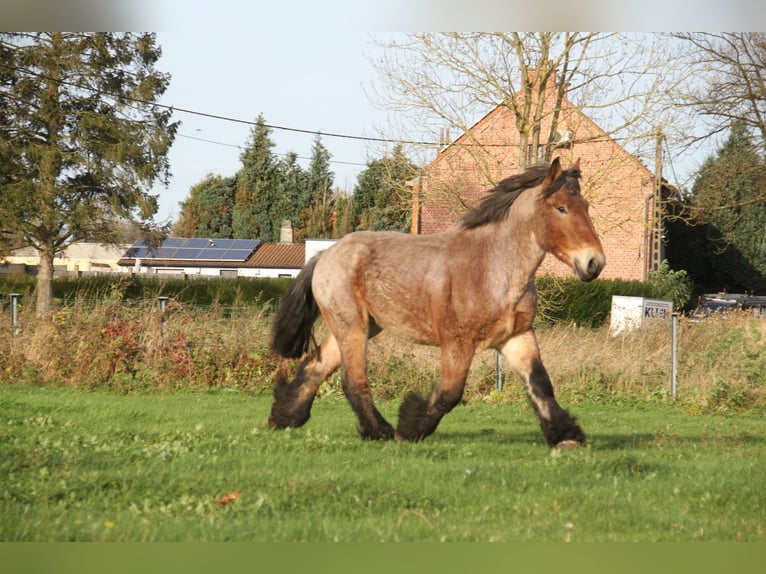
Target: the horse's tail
(295, 317)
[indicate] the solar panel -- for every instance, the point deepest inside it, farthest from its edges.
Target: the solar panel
(196, 249)
(185, 253)
(196, 242)
(244, 244)
(212, 253)
(237, 254)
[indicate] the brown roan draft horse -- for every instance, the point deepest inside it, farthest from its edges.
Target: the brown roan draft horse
(466, 290)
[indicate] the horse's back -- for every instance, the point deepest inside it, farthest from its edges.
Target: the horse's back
(388, 275)
(379, 252)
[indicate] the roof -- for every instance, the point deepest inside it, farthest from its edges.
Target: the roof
(81, 250)
(195, 248)
(278, 255)
(266, 255)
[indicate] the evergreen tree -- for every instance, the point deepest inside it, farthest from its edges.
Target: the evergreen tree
(82, 141)
(344, 209)
(207, 212)
(382, 197)
(291, 188)
(727, 200)
(317, 215)
(320, 177)
(256, 181)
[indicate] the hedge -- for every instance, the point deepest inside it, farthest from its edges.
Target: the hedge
(560, 299)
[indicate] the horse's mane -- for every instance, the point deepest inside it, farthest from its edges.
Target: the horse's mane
(494, 207)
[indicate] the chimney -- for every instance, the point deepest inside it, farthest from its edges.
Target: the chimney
(532, 76)
(286, 232)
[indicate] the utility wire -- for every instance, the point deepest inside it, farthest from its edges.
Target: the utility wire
(672, 167)
(242, 148)
(215, 116)
(251, 122)
(284, 128)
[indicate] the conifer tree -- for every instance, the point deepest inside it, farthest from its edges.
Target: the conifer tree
(256, 181)
(82, 141)
(728, 198)
(318, 202)
(207, 212)
(291, 190)
(382, 197)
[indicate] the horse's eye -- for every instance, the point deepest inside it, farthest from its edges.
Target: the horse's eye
(562, 210)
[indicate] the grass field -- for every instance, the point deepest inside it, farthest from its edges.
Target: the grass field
(203, 466)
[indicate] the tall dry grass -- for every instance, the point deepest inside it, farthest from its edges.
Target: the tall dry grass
(721, 365)
(134, 346)
(129, 348)
(721, 362)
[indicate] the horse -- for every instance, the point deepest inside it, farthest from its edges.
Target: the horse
(465, 290)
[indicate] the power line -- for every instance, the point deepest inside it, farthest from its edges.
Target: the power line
(672, 167)
(172, 108)
(242, 148)
(284, 128)
(216, 116)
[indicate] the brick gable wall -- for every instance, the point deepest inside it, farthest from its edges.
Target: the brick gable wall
(617, 185)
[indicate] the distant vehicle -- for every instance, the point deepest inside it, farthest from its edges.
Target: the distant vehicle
(722, 303)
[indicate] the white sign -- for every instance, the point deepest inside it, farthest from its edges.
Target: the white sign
(657, 309)
(629, 313)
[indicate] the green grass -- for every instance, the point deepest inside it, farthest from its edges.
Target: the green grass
(101, 466)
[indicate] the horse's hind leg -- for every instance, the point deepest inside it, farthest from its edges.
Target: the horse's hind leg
(372, 424)
(356, 386)
(558, 426)
(293, 400)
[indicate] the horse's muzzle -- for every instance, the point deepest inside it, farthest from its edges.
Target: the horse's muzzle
(588, 264)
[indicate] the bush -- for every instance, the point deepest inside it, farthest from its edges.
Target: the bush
(239, 291)
(589, 304)
(217, 290)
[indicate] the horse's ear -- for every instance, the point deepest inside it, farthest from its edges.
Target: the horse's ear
(555, 171)
(576, 164)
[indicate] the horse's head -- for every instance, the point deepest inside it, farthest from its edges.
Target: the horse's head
(569, 232)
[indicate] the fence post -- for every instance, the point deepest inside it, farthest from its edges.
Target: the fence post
(498, 371)
(673, 353)
(163, 301)
(15, 312)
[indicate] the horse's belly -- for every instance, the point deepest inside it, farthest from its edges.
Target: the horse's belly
(406, 325)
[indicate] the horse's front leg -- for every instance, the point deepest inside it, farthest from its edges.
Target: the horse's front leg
(558, 426)
(419, 416)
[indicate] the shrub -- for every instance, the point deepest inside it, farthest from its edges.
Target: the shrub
(589, 304)
(202, 291)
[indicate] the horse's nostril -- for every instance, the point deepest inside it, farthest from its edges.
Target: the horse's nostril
(589, 268)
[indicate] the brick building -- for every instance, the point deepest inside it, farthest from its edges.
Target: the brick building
(619, 188)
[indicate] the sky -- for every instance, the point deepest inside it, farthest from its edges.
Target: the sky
(313, 81)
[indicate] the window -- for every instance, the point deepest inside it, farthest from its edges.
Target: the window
(532, 158)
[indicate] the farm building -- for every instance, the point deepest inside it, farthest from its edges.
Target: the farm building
(212, 257)
(619, 188)
(187, 257)
(77, 259)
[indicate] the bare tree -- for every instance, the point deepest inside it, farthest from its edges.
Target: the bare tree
(622, 82)
(546, 82)
(730, 86)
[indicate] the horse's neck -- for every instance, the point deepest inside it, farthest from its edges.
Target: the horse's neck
(515, 249)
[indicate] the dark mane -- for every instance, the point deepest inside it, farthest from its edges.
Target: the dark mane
(494, 207)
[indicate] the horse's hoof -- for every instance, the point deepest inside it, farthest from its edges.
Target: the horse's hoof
(568, 444)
